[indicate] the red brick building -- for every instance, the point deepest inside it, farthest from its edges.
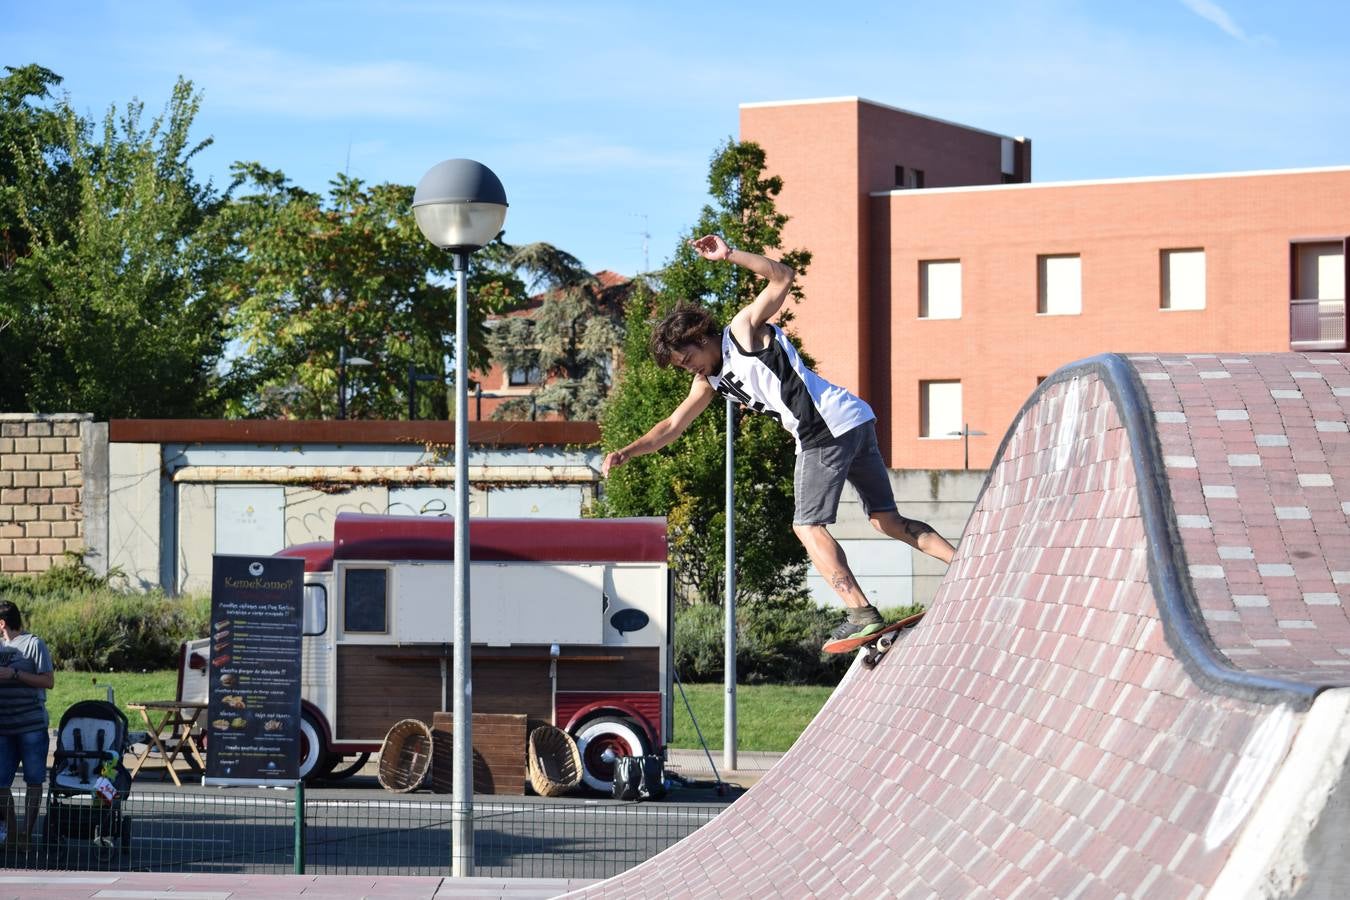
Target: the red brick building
(944, 285)
(500, 383)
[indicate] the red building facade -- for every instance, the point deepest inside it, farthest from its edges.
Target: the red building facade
(944, 297)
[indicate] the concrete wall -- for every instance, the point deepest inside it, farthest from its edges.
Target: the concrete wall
(43, 466)
(157, 511)
(889, 572)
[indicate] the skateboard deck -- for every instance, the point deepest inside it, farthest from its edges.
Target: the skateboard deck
(877, 643)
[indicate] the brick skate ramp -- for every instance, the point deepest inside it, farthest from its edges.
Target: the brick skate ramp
(1127, 683)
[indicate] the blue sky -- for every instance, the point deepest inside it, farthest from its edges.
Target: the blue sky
(600, 118)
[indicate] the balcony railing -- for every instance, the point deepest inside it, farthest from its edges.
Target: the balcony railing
(1317, 325)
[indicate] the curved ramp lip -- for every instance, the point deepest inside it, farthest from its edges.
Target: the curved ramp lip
(1183, 624)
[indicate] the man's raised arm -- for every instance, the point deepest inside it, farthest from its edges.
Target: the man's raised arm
(780, 275)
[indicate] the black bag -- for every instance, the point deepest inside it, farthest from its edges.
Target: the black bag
(639, 778)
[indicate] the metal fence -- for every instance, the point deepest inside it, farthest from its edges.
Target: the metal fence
(1317, 324)
(271, 831)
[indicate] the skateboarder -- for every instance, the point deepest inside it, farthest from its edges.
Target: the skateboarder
(753, 362)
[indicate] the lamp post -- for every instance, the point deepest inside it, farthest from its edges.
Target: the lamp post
(729, 645)
(966, 433)
(343, 362)
(460, 206)
(415, 376)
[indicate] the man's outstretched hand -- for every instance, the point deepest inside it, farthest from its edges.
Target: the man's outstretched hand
(613, 460)
(711, 246)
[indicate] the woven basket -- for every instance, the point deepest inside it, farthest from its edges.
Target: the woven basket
(554, 761)
(405, 756)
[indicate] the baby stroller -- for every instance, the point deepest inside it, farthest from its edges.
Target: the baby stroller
(90, 745)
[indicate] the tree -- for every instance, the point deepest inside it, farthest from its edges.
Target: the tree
(25, 122)
(313, 274)
(570, 340)
(104, 274)
(685, 482)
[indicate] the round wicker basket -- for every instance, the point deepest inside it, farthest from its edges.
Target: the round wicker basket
(405, 757)
(554, 761)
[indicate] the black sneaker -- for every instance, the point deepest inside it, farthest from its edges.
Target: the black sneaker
(849, 629)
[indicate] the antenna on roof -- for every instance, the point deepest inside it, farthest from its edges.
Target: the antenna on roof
(646, 240)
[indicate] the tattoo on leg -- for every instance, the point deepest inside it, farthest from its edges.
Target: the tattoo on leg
(915, 529)
(842, 583)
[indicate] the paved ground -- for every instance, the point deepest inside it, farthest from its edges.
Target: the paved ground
(143, 886)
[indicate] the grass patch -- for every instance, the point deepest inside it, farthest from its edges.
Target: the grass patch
(768, 716)
(128, 687)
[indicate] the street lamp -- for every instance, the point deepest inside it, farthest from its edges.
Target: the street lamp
(343, 362)
(415, 376)
(460, 205)
(966, 433)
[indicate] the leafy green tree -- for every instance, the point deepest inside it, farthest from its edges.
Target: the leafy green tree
(312, 274)
(685, 481)
(570, 339)
(104, 277)
(25, 122)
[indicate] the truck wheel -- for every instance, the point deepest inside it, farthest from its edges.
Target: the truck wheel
(315, 760)
(600, 741)
(348, 770)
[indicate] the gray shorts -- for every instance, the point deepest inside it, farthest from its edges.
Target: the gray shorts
(821, 472)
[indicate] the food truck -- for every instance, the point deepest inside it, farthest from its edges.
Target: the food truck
(571, 622)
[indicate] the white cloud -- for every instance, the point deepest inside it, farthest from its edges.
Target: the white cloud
(1216, 15)
(267, 80)
(593, 152)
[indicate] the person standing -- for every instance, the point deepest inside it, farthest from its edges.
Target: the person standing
(752, 362)
(25, 677)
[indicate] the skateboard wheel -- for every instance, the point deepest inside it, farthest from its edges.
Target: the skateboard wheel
(885, 641)
(870, 660)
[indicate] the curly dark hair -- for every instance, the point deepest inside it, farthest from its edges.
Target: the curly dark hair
(13, 619)
(682, 328)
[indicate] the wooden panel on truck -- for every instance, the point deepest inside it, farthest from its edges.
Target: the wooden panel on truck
(610, 669)
(407, 685)
(378, 684)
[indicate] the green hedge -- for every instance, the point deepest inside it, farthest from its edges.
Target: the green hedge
(90, 626)
(775, 644)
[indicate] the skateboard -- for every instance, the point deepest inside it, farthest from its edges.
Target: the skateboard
(877, 643)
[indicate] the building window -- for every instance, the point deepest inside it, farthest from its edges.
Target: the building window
(1317, 318)
(364, 601)
(908, 178)
(1183, 279)
(1059, 281)
(940, 413)
(940, 289)
(1320, 271)
(519, 376)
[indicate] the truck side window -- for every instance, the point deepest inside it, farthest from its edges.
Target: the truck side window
(364, 603)
(316, 609)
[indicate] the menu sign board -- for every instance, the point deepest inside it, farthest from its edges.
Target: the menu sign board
(253, 710)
